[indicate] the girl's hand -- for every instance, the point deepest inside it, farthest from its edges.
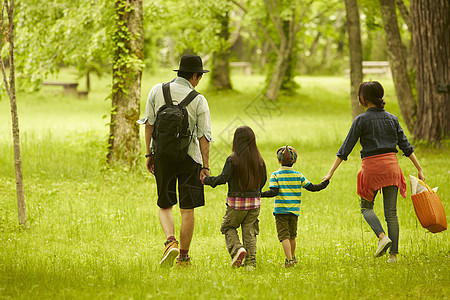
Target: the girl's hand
(327, 177)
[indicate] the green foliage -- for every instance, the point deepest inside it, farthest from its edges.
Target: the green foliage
(95, 231)
(67, 32)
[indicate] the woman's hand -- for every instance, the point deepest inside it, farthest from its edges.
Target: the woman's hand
(335, 165)
(421, 175)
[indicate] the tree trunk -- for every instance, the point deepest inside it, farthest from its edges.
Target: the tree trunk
(220, 69)
(11, 91)
(88, 81)
(124, 143)
(277, 75)
(286, 34)
(404, 12)
(398, 64)
(431, 40)
(355, 46)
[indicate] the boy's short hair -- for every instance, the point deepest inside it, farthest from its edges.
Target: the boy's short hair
(287, 155)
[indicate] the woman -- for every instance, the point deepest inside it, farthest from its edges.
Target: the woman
(379, 133)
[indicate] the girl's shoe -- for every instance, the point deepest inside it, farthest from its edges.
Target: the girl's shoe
(294, 259)
(238, 258)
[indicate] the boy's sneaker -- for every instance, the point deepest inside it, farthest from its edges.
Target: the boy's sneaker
(238, 258)
(383, 246)
(183, 262)
(170, 253)
(288, 263)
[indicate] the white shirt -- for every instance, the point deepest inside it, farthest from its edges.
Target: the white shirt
(198, 110)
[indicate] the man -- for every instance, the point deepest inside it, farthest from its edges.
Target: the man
(187, 172)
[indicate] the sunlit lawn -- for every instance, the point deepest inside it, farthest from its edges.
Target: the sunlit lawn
(94, 232)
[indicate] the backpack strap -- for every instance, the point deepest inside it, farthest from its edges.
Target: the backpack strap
(166, 93)
(185, 102)
(168, 98)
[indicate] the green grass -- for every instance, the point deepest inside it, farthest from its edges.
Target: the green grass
(94, 232)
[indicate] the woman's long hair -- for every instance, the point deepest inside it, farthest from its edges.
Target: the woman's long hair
(248, 163)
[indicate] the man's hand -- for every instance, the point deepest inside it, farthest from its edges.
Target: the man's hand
(204, 173)
(150, 164)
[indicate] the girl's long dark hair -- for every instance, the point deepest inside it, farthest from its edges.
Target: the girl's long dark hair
(248, 164)
(372, 91)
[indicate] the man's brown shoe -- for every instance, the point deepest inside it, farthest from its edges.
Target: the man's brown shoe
(170, 253)
(183, 262)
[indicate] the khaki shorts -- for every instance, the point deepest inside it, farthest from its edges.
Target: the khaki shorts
(286, 226)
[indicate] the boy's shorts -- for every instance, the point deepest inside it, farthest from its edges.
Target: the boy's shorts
(190, 188)
(286, 226)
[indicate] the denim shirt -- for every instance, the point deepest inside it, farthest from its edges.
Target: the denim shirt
(198, 110)
(233, 185)
(378, 132)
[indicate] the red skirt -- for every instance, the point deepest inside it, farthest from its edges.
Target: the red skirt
(379, 171)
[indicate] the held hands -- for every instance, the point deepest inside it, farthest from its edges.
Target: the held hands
(327, 177)
(204, 173)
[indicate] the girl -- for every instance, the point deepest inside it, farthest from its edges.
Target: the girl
(379, 133)
(245, 172)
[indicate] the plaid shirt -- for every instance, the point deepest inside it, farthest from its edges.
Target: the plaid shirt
(244, 203)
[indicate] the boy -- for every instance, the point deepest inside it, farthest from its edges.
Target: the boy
(286, 184)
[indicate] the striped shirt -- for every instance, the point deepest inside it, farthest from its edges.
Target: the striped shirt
(289, 183)
(244, 203)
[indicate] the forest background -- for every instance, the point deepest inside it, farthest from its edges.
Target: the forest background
(91, 228)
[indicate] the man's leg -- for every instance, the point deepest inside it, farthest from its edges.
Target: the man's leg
(190, 190)
(171, 245)
(165, 175)
(187, 228)
(166, 220)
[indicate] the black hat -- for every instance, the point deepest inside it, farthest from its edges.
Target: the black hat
(191, 63)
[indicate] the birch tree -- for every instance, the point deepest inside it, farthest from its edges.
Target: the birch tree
(7, 30)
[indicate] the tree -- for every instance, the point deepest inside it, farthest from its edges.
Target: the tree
(286, 20)
(430, 24)
(209, 36)
(76, 34)
(398, 64)
(220, 68)
(7, 30)
(128, 40)
(355, 47)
